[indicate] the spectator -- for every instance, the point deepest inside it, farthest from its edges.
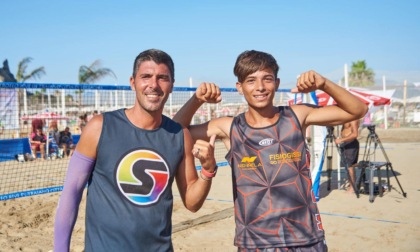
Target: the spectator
(66, 142)
(36, 123)
(350, 149)
(82, 122)
(38, 140)
(94, 113)
(54, 135)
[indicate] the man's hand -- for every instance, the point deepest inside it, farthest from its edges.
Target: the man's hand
(208, 92)
(308, 82)
(204, 151)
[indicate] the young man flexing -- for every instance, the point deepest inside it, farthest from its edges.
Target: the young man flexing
(275, 209)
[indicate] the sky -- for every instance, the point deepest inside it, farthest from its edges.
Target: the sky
(205, 37)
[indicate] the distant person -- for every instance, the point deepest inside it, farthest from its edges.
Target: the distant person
(66, 142)
(36, 123)
(130, 158)
(38, 140)
(54, 135)
(82, 122)
(350, 149)
(94, 113)
(275, 209)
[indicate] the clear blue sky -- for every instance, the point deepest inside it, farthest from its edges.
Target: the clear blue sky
(205, 37)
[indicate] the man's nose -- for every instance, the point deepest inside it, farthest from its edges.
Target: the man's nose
(260, 85)
(153, 82)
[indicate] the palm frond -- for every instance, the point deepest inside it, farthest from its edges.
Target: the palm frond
(93, 73)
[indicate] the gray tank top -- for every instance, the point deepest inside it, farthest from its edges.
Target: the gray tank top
(129, 201)
(274, 201)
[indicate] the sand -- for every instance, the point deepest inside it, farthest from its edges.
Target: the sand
(389, 223)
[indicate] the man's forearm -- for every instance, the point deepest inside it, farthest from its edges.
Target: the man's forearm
(186, 112)
(345, 100)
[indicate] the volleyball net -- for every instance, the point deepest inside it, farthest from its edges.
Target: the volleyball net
(40, 167)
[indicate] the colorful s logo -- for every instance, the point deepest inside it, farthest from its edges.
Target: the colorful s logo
(142, 176)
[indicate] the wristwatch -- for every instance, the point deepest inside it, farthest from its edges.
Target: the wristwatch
(209, 174)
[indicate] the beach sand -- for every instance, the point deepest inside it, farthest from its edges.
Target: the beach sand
(390, 223)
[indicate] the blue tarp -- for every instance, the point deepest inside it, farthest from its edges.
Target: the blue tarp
(9, 148)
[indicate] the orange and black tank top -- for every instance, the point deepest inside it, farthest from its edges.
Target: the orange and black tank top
(272, 188)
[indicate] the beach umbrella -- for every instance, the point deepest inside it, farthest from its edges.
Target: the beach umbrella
(45, 116)
(325, 99)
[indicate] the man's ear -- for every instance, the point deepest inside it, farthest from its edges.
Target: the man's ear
(132, 85)
(172, 88)
(239, 88)
(277, 83)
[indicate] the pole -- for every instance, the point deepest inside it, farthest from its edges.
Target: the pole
(346, 77)
(123, 98)
(305, 99)
(25, 102)
(385, 106)
(96, 99)
(404, 101)
(63, 102)
(116, 93)
(191, 85)
(170, 106)
(63, 105)
(49, 100)
(116, 99)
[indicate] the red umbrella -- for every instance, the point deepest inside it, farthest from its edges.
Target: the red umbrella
(47, 115)
(369, 99)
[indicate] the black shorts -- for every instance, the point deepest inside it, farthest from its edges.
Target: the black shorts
(349, 153)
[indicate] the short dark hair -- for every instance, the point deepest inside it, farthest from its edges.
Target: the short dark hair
(251, 61)
(158, 56)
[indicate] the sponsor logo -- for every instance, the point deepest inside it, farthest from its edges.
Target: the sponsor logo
(248, 159)
(285, 157)
(266, 142)
(248, 163)
(142, 176)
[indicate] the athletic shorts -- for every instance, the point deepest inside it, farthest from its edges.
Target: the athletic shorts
(316, 247)
(350, 153)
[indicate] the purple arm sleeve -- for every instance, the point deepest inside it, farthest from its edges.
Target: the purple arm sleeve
(79, 170)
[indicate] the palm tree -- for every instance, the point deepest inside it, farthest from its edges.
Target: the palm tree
(360, 75)
(91, 74)
(23, 76)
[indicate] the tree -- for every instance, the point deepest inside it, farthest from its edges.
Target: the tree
(22, 75)
(91, 74)
(360, 75)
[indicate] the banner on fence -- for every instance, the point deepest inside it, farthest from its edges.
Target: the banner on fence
(9, 114)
